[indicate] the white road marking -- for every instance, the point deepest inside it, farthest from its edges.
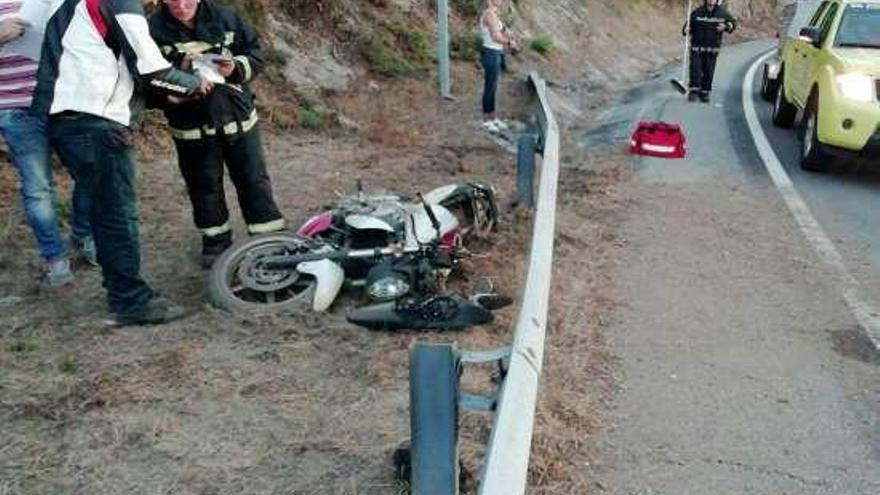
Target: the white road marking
(865, 314)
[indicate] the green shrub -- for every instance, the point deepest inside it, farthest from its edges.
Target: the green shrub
(23, 346)
(383, 58)
(64, 209)
(253, 11)
(315, 117)
(470, 8)
(542, 44)
(465, 46)
(300, 9)
(418, 44)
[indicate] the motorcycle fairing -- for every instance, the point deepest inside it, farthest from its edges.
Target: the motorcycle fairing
(438, 195)
(329, 277)
(316, 225)
(475, 200)
(423, 232)
(366, 222)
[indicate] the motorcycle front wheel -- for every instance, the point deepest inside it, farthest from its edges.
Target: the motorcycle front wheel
(241, 282)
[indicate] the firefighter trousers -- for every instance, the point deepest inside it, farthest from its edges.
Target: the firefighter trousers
(702, 69)
(201, 163)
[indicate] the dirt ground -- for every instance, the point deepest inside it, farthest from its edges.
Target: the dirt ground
(226, 404)
(219, 403)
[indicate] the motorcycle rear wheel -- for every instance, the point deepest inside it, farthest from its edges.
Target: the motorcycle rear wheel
(239, 283)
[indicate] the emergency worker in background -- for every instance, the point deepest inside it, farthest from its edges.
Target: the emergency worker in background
(708, 23)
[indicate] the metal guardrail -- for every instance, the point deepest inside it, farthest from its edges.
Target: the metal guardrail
(507, 456)
(435, 394)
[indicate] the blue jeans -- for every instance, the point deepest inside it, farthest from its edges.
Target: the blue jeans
(25, 134)
(493, 63)
(99, 154)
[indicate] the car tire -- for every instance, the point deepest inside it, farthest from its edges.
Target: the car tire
(784, 112)
(813, 156)
(768, 86)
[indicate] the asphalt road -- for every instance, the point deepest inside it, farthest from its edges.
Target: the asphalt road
(846, 201)
(741, 369)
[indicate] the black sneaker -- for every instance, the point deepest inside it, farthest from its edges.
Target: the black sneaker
(213, 246)
(157, 311)
(704, 97)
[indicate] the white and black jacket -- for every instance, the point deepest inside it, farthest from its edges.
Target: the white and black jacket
(98, 58)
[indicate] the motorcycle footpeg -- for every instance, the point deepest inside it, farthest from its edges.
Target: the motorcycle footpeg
(492, 301)
(427, 313)
(486, 295)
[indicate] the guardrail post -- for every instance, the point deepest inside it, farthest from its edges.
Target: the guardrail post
(525, 170)
(434, 395)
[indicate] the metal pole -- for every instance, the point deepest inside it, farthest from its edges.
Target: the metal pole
(443, 47)
(685, 59)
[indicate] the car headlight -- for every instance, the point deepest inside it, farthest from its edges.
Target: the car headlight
(859, 87)
(387, 288)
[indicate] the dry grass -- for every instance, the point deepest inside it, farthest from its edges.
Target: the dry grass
(223, 404)
(228, 405)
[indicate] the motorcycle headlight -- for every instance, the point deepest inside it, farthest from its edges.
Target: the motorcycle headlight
(387, 288)
(859, 87)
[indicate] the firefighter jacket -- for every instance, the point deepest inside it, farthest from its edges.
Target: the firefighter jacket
(704, 27)
(217, 29)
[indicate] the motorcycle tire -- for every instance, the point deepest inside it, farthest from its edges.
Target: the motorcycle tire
(238, 283)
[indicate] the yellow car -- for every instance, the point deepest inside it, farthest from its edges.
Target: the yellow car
(830, 84)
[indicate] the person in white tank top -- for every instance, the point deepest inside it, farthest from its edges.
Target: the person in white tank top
(495, 42)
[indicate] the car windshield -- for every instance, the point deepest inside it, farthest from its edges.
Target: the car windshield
(860, 26)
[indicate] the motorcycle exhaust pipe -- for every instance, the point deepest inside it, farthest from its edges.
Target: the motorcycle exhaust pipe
(432, 313)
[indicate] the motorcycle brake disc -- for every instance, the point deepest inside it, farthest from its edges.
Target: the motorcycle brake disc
(254, 275)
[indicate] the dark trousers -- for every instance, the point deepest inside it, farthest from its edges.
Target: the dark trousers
(702, 69)
(493, 64)
(201, 164)
(99, 155)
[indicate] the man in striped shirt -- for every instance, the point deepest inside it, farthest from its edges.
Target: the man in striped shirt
(26, 138)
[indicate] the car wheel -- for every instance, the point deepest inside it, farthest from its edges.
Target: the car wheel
(784, 112)
(813, 156)
(768, 86)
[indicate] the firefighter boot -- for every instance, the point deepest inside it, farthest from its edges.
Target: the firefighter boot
(213, 246)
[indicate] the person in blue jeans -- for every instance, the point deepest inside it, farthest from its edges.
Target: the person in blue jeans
(98, 60)
(495, 40)
(27, 141)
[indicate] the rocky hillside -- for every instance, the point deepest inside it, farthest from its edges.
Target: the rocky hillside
(320, 49)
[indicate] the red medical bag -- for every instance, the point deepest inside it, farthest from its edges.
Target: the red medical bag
(660, 139)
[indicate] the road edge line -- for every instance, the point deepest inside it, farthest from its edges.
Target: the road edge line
(864, 313)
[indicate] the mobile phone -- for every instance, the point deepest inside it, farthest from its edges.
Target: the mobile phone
(218, 58)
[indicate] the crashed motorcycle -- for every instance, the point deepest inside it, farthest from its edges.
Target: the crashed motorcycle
(398, 251)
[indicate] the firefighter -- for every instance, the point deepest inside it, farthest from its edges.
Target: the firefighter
(708, 23)
(200, 35)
